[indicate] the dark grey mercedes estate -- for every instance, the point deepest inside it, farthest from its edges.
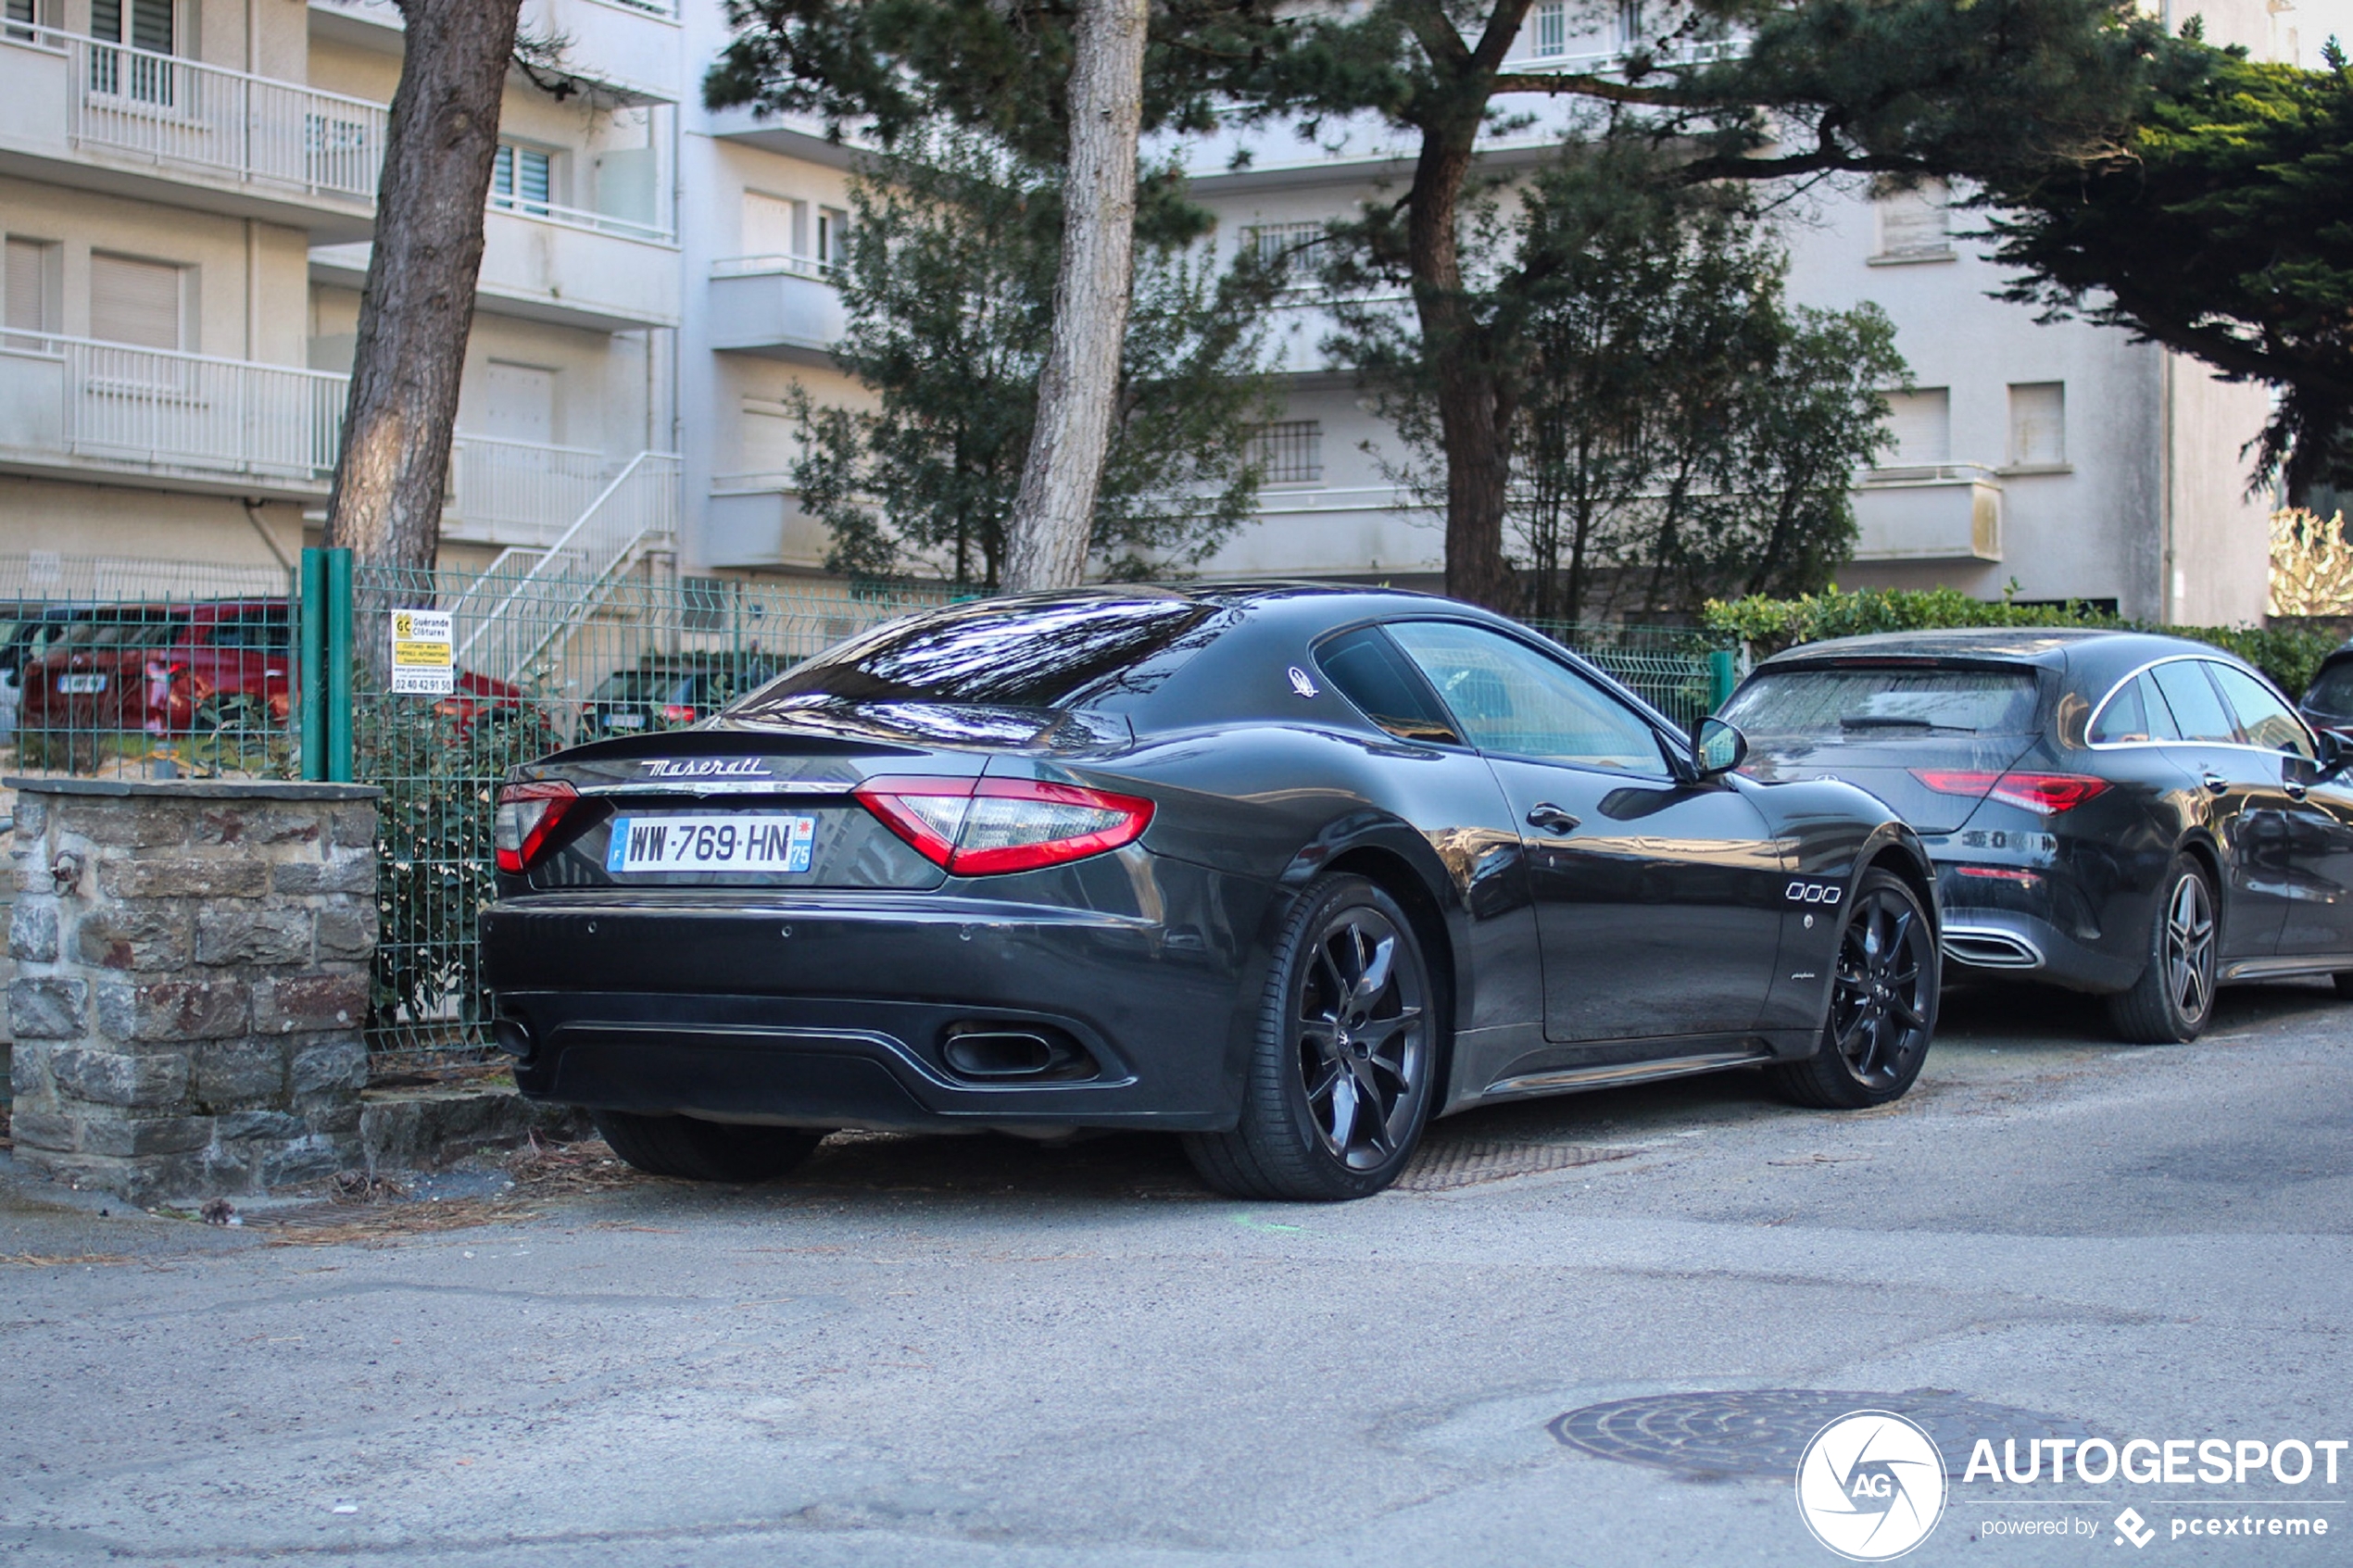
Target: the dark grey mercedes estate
(2134, 816)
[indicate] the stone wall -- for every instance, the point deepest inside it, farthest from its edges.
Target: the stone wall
(191, 979)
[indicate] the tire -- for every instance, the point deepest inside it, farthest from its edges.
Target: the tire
(703, 1151)
(1882, 1012)
(1346, 1018)
(2172, 1001)
(2344, 978)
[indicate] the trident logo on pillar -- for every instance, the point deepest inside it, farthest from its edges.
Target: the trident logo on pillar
(1871, 1486)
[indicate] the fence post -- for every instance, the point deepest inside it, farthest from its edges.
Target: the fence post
(1723, 675)
(340, 649)
(312, 618)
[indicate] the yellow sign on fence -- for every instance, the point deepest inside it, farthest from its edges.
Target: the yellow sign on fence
(423, 646)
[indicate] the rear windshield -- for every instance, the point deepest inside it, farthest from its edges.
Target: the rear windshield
(2332, 693)
(1865, 703)
(131, 627)
(641, 685)
(1090, 652)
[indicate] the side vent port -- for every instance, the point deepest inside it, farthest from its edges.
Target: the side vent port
(998, 1052)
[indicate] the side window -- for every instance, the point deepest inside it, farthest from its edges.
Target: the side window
(2264, 718)
(1507, 697)
(2196, 707)
(1370, 673)
(2136, 713)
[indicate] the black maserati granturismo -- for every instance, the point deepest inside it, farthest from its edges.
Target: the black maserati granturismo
(1285, 870)
(2138, 817)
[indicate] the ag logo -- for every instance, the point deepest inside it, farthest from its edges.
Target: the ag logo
(1871, 1486)
(1813, 893)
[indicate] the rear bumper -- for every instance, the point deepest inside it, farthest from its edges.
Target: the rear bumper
(810, 1012)
(2020, 942)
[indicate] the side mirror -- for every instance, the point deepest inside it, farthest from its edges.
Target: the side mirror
(2337, 754)
(1716, 747)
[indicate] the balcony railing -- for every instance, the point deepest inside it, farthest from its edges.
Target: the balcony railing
(518, 493)
(249, 130)
(757, 266)
(176, 412)
(581, 218)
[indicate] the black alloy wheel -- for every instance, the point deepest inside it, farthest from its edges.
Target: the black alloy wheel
(2175, 996)
(1882, 1012)
(704, 1151)
(1340, 1083)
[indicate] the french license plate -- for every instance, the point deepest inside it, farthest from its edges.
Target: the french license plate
(624, 721)
(764, 841)
(72, 685)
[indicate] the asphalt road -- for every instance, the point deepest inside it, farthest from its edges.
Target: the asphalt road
(974, 1351)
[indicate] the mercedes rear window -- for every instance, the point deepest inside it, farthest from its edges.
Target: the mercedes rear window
(1867, 702)
(1080, 652)
(2332, 693)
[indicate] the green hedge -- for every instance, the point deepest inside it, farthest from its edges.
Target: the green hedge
(2290, 656)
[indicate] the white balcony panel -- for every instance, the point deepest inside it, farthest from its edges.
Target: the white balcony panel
(158, 128)
(631, 47)
(555, 265)
(781, 307)
(1348, 530)
(753, 520)
(1950, 511)
(517, 493)
(102, 409)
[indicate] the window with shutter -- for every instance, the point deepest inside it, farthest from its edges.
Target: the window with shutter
(772, 225)
(31, 291)
(521, 179)
(1921, 421)
(149, 25)
(1629, 24)
(518, 403)
(22, 16)
(135, 302)
(771, 439)
(833, 228)
(1915, 225)
(2038, 424)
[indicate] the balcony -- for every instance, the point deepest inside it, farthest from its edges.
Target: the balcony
(1946, 512)
(755, 520)
(776, 306)
(517, 493)
(102, 409)
(105, 117)
(561, 265)
(629, 49)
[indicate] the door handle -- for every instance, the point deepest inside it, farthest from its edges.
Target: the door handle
(2294, 791)
(1551, 817)
(2217, 783)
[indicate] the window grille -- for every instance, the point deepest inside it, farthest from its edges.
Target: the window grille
(702, 604)
(1552, 29)
(1297, 249)
(1289, 453)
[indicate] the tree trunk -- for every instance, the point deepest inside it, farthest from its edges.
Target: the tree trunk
(1474, 404)
(418, 301)
(1053, 512)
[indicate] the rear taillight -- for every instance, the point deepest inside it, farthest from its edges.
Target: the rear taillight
(527, 814)
(678, 713)
(979, 827)
(2046, 793)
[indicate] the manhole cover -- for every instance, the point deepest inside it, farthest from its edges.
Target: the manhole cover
(1765, 1432)
(1467, 1161)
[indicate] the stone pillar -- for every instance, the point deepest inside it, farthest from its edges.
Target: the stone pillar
(191, 979)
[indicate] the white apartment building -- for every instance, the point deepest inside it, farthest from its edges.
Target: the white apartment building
(187, 190)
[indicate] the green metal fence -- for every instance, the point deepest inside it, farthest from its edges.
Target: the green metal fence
(1686, 674)
(432, 685)
(536, 661)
